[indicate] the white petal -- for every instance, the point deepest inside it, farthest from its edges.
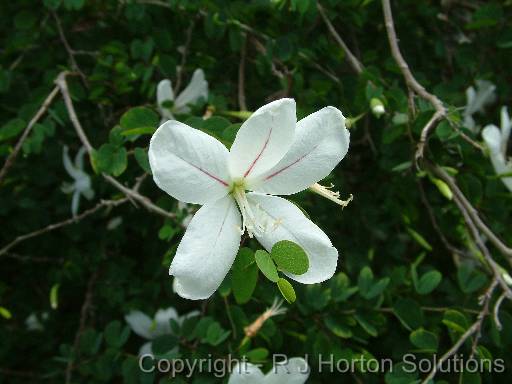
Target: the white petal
(164, 93)
(492, 137)
(75, 202)
(70, 168)
(246, 373)
(146, 349)
(505, 130)
(188, 164)
(195, 90)
(79, 158)
(207, 250)
(263, 139)
(321, 141)
(140, 323)
(285, 221)
(162, 320)
(294, 371)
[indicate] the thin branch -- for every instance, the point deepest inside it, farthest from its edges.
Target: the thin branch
(184, 55)
(472, 212)
(42, 110)
(131, 194)
(352, 59)
(241, 76)
(63, 223)
(411, 81)
(466, 335)
(84, 314)
(496, 311)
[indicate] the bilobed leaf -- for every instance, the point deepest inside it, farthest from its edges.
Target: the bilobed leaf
(11, 129)
(424, 340)
(286, 290)
(428, 282)
(290, 257)
(142, 159)
(455, 320)
(110, 159)
(470, 278)
(337, 327)
(139, 117)
(244, 275)
(266, 265)
(409, 313)
(116, 335)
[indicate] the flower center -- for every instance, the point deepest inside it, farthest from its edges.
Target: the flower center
(251, 215)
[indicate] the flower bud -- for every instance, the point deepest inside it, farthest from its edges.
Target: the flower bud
(377, 107)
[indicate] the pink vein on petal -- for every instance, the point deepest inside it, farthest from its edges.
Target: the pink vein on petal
(289, 165)
(204, 171)
(259, 154)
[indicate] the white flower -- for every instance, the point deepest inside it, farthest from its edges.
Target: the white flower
(272, 154)
(293, 371)
(82, 181)
(477, 100)
(150, 329)
(497, 141)
(34, 322)
(195, 90)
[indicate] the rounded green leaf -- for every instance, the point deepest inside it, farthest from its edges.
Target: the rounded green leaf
(428, 282)
(139, 117)
(286, 290)
(266, 265)
(424, 340)
(290, 257)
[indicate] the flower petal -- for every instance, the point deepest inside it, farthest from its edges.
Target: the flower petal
(195, 90)
(263, 139)
(246, 373)
(207, 250)
(162, 320)
(293, 371)
(188, 164)
(492, 137)
(140, 323)
(285, 221)
(321, 141)
(505, 130)
(164, 93)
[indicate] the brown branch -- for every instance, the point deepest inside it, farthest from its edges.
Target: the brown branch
(184, 55)
(475, 327)
(63, 223)
(496, 311)
(131, 194)
(351, 58)
(84, 314)
(411, 81)
(241, 76)
(472, 212)
(42, 110)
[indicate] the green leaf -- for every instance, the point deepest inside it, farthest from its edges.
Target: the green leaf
(428, 282)
(337, 327)
(5, 313)
(455, 320)
(215, 335)
(257, 355)
(419, 239)
(244, 276)
(364, 320)
(139, 131)
(54, 296)
(470, 278)
(368, 288)
(290, 257)
(141, 156)
(164, 344)
(266, 265)
(340, 288)
(110, 159)
(116, 335)
(139, 117)
(424, 340)
(443, 188)
(409, 313)
(11, 129)
(286, 290)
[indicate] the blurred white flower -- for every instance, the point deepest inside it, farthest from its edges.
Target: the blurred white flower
(477, 100)
(497, 141)
(293, 371)
(150, 329)
(82, 182)
(272, 154)
(34, 322)
(195, 90)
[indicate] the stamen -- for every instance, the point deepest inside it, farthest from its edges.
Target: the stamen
(331, 195)
(251, 214)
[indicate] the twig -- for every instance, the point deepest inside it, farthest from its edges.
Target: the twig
(60, 224)
(69, 50)
(84, 314)
(496, 310)
(472, 212)
(241, 76)
(184, 55)
(411, 81)
(475, 327)
(42, 110)
(352, 59)
(131, 194)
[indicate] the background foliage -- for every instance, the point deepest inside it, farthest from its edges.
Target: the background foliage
(410, 274)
